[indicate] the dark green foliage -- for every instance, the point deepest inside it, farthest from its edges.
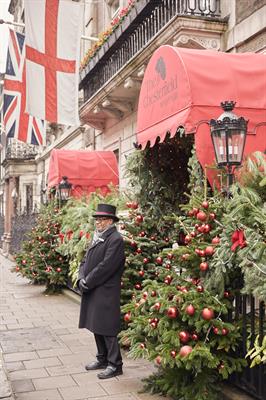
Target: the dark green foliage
(39, 259)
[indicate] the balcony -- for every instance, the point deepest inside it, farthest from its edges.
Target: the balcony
(16, 150)
(141, 26)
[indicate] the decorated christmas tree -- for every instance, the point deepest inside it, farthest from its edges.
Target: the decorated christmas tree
(39, 260)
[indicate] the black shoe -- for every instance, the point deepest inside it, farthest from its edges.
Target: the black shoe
(96, 365)
(110, 372)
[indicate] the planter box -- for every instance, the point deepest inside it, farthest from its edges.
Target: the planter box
(111, 40)
(125, 24)
(101, 52)
(118, 32)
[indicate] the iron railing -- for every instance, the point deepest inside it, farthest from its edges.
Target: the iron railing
(136, 34)
(253, 318)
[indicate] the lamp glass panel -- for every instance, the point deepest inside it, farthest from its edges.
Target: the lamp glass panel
(219, 140)
(236, 140)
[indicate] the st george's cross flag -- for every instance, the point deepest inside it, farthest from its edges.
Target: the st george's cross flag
(18, 124)
(53, 33)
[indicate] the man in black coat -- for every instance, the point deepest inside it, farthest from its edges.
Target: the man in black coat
(99, 281)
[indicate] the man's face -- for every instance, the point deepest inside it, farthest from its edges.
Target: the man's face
(102, 223)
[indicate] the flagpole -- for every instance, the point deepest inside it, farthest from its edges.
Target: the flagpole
(21, 25)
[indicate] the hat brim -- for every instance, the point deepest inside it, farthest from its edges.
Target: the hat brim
(111, 216)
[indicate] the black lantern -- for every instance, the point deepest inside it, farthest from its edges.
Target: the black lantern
(64, 189)
(228, 134)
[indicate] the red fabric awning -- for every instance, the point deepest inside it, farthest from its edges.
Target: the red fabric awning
(86, 170)
(184, 87)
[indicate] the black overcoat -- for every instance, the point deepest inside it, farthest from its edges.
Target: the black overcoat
(102, 269)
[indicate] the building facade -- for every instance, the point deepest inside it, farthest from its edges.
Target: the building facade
(111, 78)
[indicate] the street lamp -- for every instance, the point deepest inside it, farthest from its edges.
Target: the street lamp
(64, 189)
(228, 134)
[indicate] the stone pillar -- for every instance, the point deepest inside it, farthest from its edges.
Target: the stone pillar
(10, 186)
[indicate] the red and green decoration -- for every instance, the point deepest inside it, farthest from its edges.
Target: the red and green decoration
(39, 260)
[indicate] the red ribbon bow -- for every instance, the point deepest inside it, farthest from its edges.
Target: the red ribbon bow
(61, 236)
(238, 239)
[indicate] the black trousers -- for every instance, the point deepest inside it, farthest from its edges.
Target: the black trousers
(108, 350)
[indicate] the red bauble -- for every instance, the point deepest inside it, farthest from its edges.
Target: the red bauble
(207, 314)
(129, 204)
(185, 350)
(205, 204)
(153, 293)
(139, 219)
(142, 346)
(138, 286)
(215, 330)
(166, 239)
(184, 336)
(225, 331)
(142, 234)
(204, 266)
(200, 289)
(207, 228)
(185, 257)
(133, 244)
(17, 268)
(141, 273)
(127, 317)
(216, 240)
(158, 360)
(170, 256)
(212, 215)
(190, 213)
(134, 205)
(194, 337)
(172, 312)
(202, 253)
(173, 353)
(139, 251)
(153, 238)
(58, 269)
(145, 260)
(226, 295)
(190, 310)
(193, 234)
(195, 211)
(209, 251)
(187, 239)
(24, 262)
(153, 324)
(184, 289)
(159, 260)
(201, 216)
(197, 251)
(145, 295)
(157, 306)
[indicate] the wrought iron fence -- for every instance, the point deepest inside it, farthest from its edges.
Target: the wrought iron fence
(253, 317)
(140, 31)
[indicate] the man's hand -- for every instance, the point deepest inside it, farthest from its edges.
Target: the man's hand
(82, 286)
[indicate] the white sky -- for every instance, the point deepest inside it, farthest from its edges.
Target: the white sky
(4, 14)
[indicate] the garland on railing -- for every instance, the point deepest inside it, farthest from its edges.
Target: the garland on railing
(104, 36)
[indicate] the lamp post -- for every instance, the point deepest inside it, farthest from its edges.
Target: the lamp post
(228, 134)
(64, 190)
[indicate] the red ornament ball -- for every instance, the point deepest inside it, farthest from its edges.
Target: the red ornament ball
(216, 240)
(212, 216)
(158, 360)
(209, 251)
(127, 317)
(138, 286)
(134, 205)
(159, 260)
(226, 295)
(153, 293)
(172, 312)
(205, 204)
(170, 256)
(204, 266)
(185, 351)
(190, 310)
(142, 346)
(58, 269)
(184, 337)
(194, 337)
(145, 260)
(139, 219)
(215, 330)
(201, 216)
(173, 354)
(145, 295)
(207, 314)
(225, 331)
(141, 273)
(200, 288)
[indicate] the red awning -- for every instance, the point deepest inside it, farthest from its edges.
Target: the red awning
(86, 170)
(184, 87)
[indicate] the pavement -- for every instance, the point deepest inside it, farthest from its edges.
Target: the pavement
(43, 353)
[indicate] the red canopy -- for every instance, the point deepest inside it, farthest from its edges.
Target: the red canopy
(86, 170)
(184, 87)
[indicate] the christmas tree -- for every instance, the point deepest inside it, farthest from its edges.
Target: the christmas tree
(39, 260)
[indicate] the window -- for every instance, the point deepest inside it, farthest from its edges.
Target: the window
(116, 153)
(114, 7)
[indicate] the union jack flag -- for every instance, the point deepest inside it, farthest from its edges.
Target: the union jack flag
(18, 124)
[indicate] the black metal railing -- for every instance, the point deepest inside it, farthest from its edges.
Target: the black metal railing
(147, 23)
(252, 315)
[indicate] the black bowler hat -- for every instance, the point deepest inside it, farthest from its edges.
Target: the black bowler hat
(106, 210)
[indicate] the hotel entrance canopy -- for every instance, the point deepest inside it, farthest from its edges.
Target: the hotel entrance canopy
(184, 88)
